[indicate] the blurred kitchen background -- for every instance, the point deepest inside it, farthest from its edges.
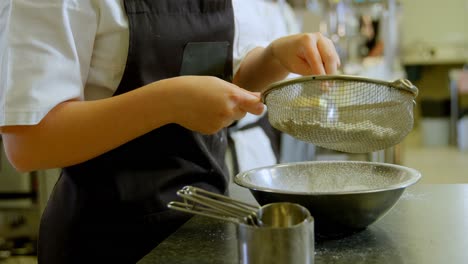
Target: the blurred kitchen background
(425, 41)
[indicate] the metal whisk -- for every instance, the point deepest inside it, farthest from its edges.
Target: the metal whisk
(201, 202)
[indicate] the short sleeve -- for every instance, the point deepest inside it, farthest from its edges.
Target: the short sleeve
(249, 30)
(258, 23)
(45, 52)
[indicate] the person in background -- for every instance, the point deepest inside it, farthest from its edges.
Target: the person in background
(463, 81)
(373, 45)
(132, 100)
(255, 142)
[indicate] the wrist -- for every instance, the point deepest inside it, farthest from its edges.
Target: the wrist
(271, 58)
(174, 93)
(165, 99)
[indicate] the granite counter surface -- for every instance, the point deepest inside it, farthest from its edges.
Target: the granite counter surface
(429, 224)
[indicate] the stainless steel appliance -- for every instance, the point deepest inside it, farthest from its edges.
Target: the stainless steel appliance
(19, 214)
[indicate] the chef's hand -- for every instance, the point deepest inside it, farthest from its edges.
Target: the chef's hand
(207, 104)
(306, 54)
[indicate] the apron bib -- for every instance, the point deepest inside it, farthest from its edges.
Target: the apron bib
(113, 208)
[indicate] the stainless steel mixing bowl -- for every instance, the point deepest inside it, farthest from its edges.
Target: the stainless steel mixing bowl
(342, 196)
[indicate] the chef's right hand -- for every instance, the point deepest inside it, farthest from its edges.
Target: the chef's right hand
(207, 104)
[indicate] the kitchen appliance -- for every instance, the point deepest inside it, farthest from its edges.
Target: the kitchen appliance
(17, 190)
(342, 196)
(19, 215)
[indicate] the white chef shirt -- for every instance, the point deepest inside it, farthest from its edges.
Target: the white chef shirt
(258, 22)
(52, 51)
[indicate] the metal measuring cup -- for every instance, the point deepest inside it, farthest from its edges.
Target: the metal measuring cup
(273, 233)
(285, 235)
(213, 205)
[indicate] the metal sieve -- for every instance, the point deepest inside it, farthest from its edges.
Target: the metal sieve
(340, 112)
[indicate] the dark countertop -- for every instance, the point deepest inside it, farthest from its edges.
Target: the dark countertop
(429, 224)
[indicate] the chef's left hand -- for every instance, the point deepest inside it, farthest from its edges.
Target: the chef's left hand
(306, 54)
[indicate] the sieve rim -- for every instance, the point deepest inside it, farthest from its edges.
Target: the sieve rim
(402, 84)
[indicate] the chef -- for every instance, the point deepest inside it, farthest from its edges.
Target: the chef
(131, 98)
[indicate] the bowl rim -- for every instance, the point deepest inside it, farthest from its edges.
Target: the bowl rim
(414, 174)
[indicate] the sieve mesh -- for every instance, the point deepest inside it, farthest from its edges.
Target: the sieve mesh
(344, 113)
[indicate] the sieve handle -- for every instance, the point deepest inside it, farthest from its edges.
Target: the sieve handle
(406, 85)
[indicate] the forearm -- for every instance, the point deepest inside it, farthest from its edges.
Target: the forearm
(258, 69)
(76, 131)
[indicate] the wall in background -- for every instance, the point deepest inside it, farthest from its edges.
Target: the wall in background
(434, 31)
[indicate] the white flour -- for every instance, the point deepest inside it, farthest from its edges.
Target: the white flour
(365, 129)
(332, 178)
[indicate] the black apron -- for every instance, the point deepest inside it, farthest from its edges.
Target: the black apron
(113, 208)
